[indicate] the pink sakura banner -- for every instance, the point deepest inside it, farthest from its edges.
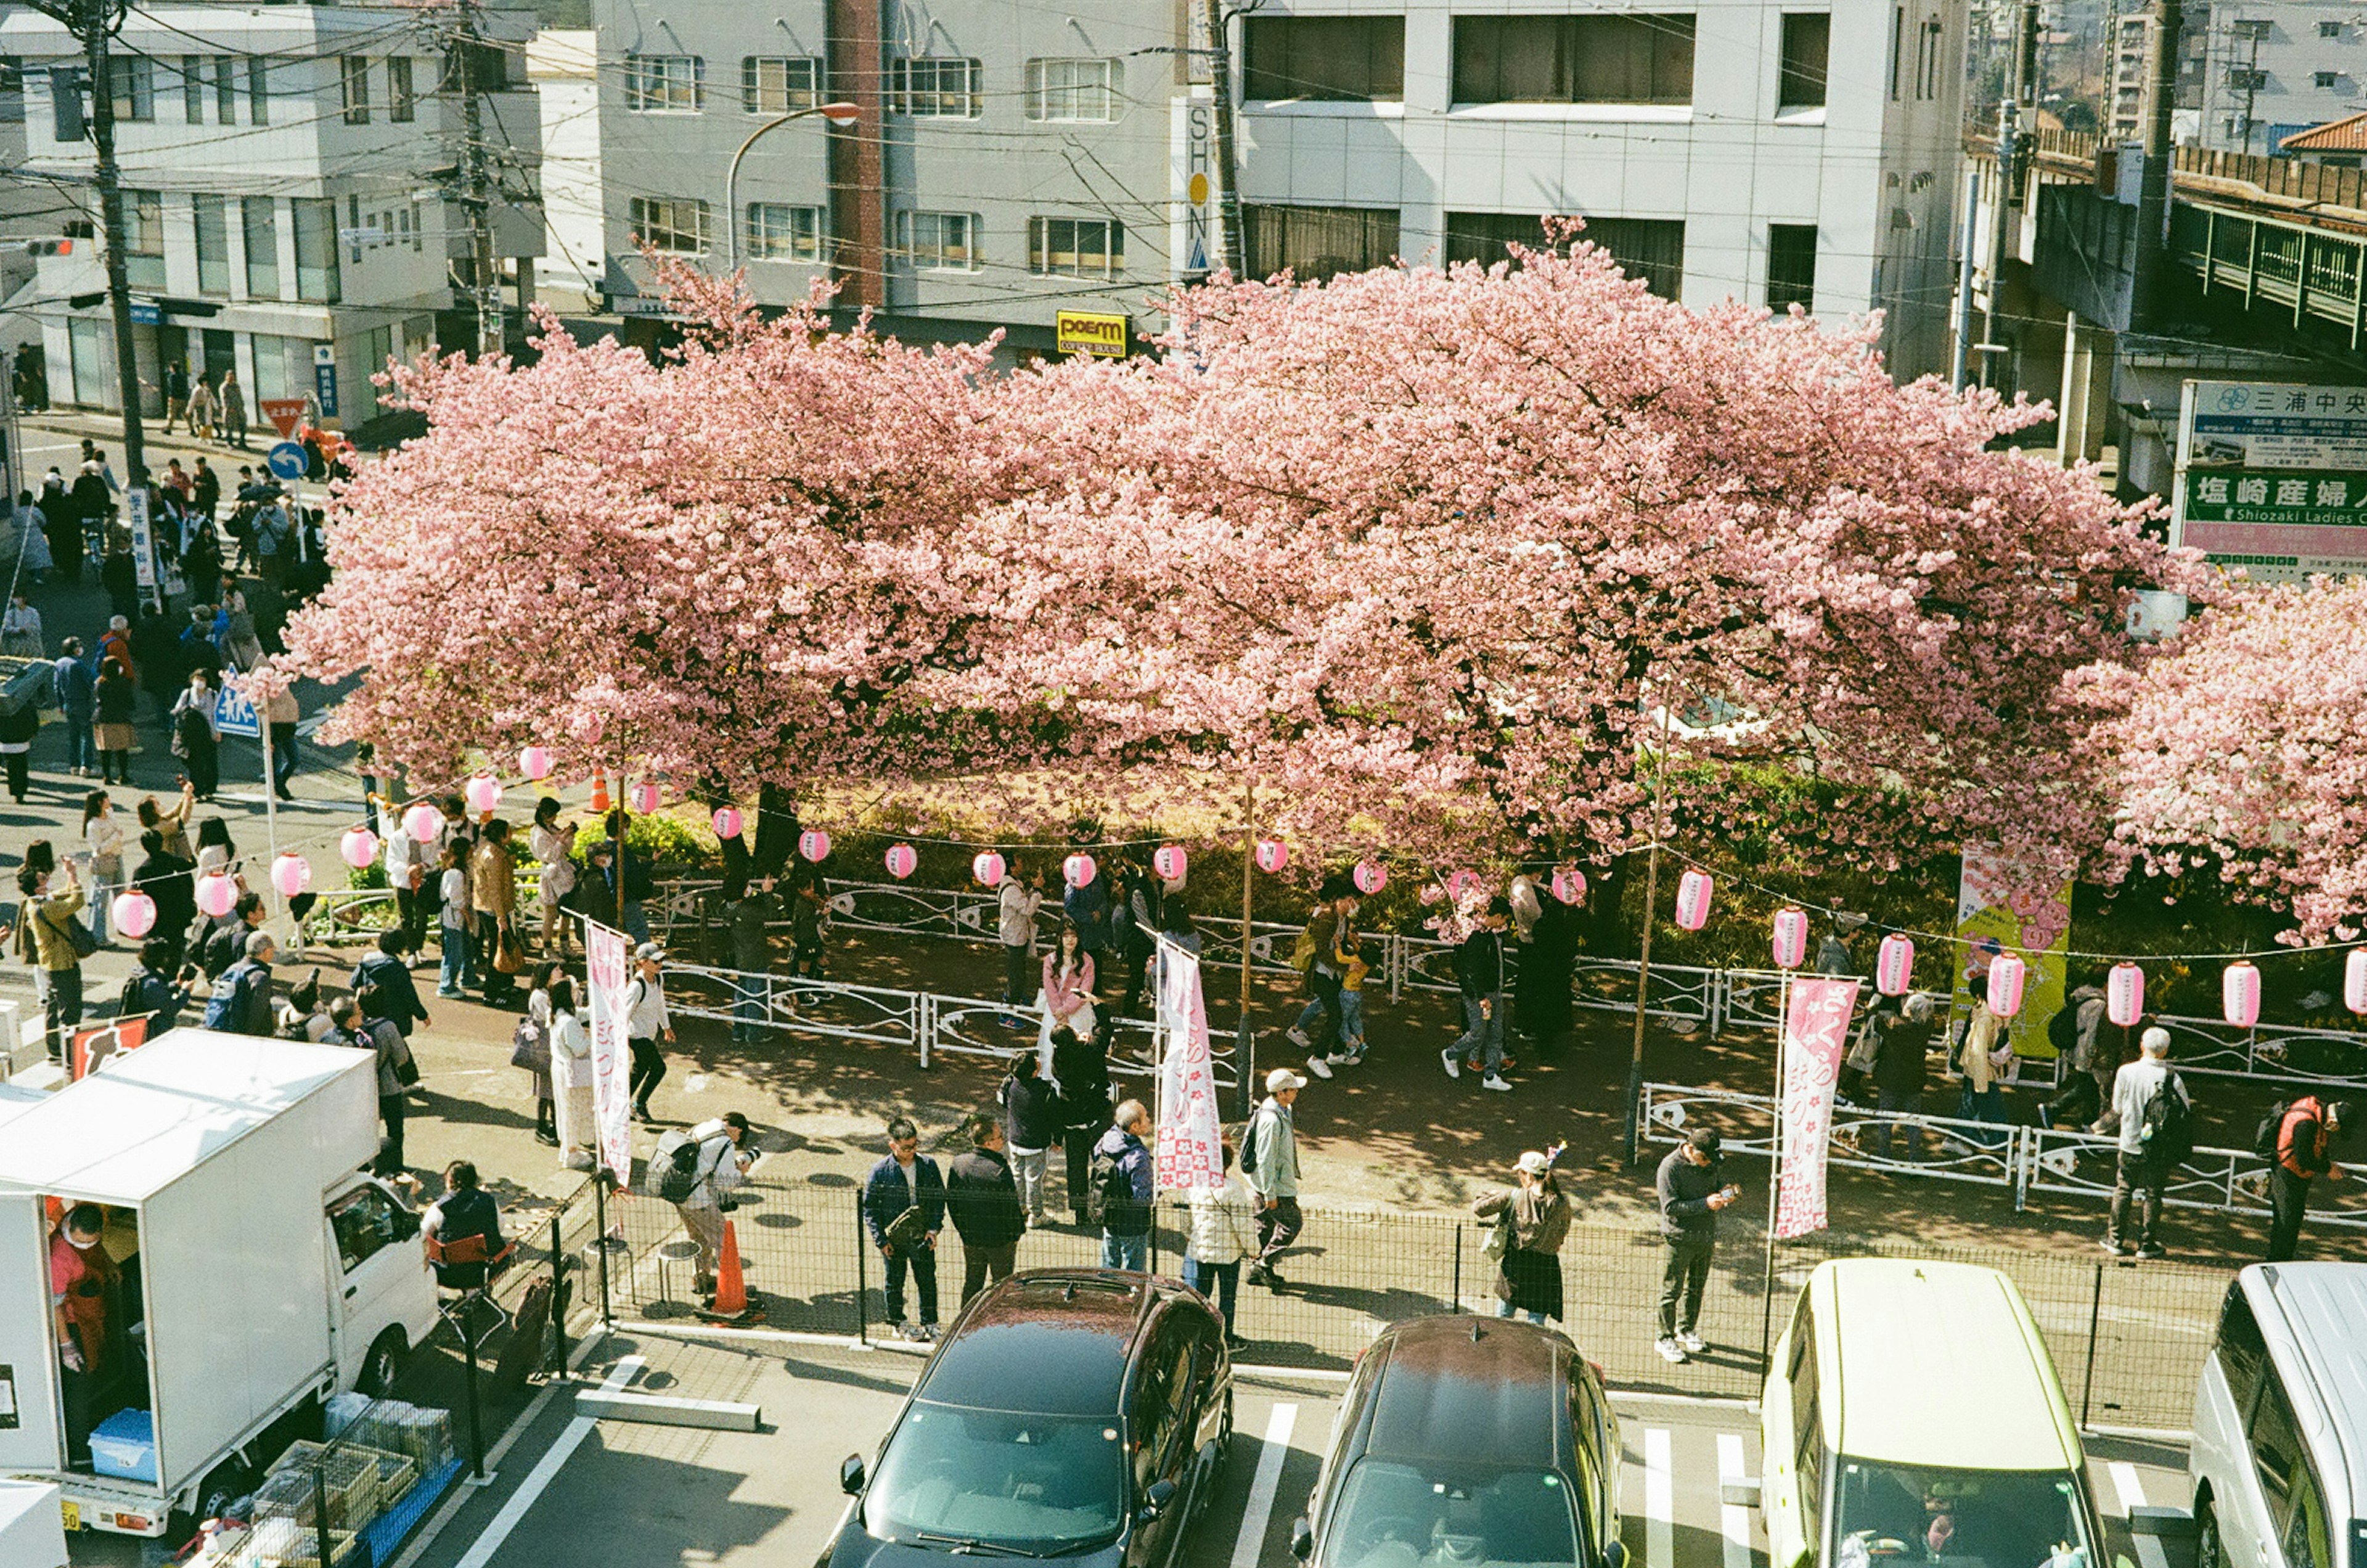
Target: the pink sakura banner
(1189, 1152)
(1816, 1035)
(605, 963)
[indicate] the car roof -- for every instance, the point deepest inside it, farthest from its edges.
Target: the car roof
(2322, 1305)
(1053, 1341)
(1477, 1391)
(1923, 1362)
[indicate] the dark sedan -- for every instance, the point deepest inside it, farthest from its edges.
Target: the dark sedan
(1072, 1414)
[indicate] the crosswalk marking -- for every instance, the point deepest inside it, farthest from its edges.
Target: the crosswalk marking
(2127, 1484)
(1259, 1509)
(1660, 1501)
(1734, 1519)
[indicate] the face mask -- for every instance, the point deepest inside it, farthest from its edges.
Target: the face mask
(78, 1244)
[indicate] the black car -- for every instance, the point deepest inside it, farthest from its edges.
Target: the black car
(1077, 1414)
(1468, 1442)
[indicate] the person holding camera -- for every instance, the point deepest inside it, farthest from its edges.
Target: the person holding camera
(1531, 1221)
(702, 1166)
(1692, 1192)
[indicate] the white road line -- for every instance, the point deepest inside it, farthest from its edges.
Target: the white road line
(1733, 1518)
(1258, 1511)
(2126, 1482)
(1659, 1502)
(497, 1531)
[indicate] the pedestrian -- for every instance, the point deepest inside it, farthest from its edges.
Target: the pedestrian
(1065, 1000)
(747, 909)
(2073, 1031)
(1353, 970)
(1022, 896)
(218, 853)
(460, 961)
(116, 703)
(1901, 1067)
(2305, 1134)
(20, 630)
(530, 1050)
(396, 1072)
(463, 1232)
(1983, 1055)
(1088, 909)
(241, 648)
(628, 871)
(221, 941)
(1479, 976)
(1532, 1221)
(102, 836)
(646, 1024)
(240, 999)
(77, 691)
(176, 394)
(18, 725)
(982, 1200)
(1121, 1178)
(492, 897)
(230, 403)
(205, 485)
(903, 1209)
(407, 868)
(1320, 945)
(196, 738)
(53, 899)
(303, 1016)
(552, 844)
(170, 883)
(1270, 1165)
(1081, 1070)
(571, 1077)
(155, 992)
(385, 969)
(809, 922)
(2145, 1165)
(202, 561)
(118, 576)
(280, 713)
(275, 543)
(1031, 1125)
(1548, 938)
(202, 416)
(1133, 919)
(1223, 1231)
(1692, 1192)
(173, 825)
(716, 1156)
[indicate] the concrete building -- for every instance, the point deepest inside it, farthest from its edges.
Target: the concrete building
(562, 65)
(2273, 68)
(288, 171)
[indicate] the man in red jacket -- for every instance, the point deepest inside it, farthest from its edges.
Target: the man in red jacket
(2309, 1128)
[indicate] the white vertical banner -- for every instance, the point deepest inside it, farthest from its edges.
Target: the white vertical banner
(605, 972)
(1189, 1152)
(1816, 1034)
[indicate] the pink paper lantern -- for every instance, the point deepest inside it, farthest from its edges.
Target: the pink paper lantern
(1791, 938)
(727, 822)
(1461, 885)
(292, 874)
(988, 868)
(1078, 869)
(357, 848)
(1371, 876)
(901, 859)
(1273, 854)
(2240, 994)
(2007, 974)
(482, 793)
(1570, 885)
(1894, 964)
(216, 893)
(814, 844)
(1694, 890)
(534, 762)
(2124, 995)
(2354, 980)
(1169, 860)
(422, 823)
(647, 798)
(134, 913)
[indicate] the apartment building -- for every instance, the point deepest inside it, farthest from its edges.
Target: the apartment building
(2273, 68)
(289, 183)
(562, 64)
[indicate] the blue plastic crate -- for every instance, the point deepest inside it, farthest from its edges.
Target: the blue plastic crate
(124, 1446)
(385, 1535)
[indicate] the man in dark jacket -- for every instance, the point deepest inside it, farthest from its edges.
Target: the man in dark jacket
(78, 688)
(984, 1202)
(1031, 1127)
(1692, 1193)
(2304, 1140)
(386, 970)
(1081, 1070)
(1479, 975)
(1123, 1164)
(907, 1181)
(170, 882)
(1902, 1068)
(463, 1232)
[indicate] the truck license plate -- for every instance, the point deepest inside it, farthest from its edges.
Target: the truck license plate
(74, 1512)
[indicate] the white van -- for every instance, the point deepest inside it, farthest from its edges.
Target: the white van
(2280, 1453)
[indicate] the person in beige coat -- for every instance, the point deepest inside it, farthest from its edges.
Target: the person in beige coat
(492, 897)
(1532, 1220)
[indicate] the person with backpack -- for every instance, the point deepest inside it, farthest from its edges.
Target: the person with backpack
(196, 739)
(239, 1003)
(1031, 1125)
(646, 1024)
(1119, 1192)
(1080, 1072)
(154, 992)
(385, 969)
(398, 1071)
(1317, 956)
(903, 1209)
(2304, 1135)
(693, 1170)
(2072, 1032)
(1270, 1165)
(221, 941)
(2156, 1132)
(60, 944)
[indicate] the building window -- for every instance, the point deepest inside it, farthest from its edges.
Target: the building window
(666, 84)
(1574, 60)
(402, 98)
(354, 72)
(213, 245)
(143, 238)
(260, 219)
(1791, 267)
(315, 222)
(937, 89)
(778, 232)
(193, 89)
(66, 121)
(1898, 43)
(1315, 242)
(12, 89)
(1074, 89)
(258, 90)
(226, 89)
(1076, 247)
(938, 241)
(2330, 29)
(771, 85)
(135, 88)
(1335, 59)
(1652, 248)
(676, 225)
(2327, 78)
(1807, 38)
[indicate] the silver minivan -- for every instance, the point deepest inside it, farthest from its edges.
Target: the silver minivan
(2280, 1453)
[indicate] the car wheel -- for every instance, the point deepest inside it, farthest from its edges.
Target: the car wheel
(2209, 1551)
(382, 1365)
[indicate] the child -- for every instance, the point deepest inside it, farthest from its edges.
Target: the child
(452, 891)
(1352, 1000)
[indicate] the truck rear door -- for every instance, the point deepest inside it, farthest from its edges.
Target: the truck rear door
(28, 1394)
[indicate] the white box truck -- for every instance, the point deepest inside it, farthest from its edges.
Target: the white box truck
(260, 1269)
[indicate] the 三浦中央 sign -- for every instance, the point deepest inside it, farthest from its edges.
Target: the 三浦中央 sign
(2272, 477)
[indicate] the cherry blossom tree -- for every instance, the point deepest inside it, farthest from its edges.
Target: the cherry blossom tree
(2246, 745)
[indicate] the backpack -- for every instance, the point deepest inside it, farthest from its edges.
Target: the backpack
(1108, 1187)
(2169, 1123)
(1302, 952)
(219, 949)
(2266, 1136)
(227, 1008)
(638, 883)
(1247, 1159)
(2062, 1031)
(674, 1172)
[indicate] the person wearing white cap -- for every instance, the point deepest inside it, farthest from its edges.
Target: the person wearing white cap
(1532, 1220)
(1269, 1162)
(645, 1024)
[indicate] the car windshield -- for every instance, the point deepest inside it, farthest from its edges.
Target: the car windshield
(1963, 1518)
(1392, 1514)
(1032, 1483)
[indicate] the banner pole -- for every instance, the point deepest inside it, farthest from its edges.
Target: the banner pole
(1775, 1177)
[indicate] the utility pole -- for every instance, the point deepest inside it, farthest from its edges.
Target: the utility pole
(2153, 190)
(2021, 78)
(1229, 195)
(476, 198)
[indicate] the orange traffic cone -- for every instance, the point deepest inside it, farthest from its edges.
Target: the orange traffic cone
(599, 792)
(731, 1289)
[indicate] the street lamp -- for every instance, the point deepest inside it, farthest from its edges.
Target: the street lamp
(839, 114)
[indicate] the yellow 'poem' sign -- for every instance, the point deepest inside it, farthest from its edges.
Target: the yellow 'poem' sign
(1087, 331)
